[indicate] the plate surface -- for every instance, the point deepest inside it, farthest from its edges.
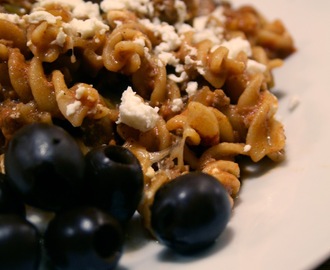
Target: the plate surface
(281, 219)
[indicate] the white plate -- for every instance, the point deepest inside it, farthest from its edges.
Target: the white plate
(282, 217)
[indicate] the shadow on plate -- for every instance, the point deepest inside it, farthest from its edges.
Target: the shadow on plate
(252, 170)
(279, 93)
(168, 255)
(136, 235)
(121, 267)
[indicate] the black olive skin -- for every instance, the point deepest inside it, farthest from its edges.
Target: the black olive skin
(20, 247)
(115, 180)
(45, 165)
(84, 238)
(190, 212)
(10, 201)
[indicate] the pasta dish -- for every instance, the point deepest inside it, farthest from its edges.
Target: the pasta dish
(185, 85)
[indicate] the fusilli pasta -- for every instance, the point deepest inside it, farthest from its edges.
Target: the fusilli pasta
(207, 70)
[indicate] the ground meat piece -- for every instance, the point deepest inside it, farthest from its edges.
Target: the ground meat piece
(14, 115)
(167, 11)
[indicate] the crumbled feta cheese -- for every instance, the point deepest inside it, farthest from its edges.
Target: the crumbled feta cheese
(181, 9)
(118, 22)
(39, 16)
(168, 58)
(111, 5)
(192, 51)
(141, 6)
(247, 148)
(73, 107)
(140, 41)
(208, 29)
(135, 113)
(86, 10)
(170, 40)
(237, 45)
(60, 38)
(191, 88)
(199, 23)
(209, 34)
(14, 18)
(218, 13)
(150, 172)
(254, 67)
(178, 79)
(177, 105)
(81, 91)
(189, 61)
(184, 28)
(87, 28)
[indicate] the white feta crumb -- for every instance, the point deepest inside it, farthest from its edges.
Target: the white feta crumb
(201, 70)
(86, 10)
(39, 16)
(112, 5)
(237, 45)
(168, 58)
(199, 23)
(135, 113)
(13, 18)
(184, 28)
(144, 7)
(118, 22)
(191, 88)
(140, 41)
(206, 28)
(218, 13)
(87, 28)
(181, 9)
(247, 148)
(73, 107)
(206, 34)
(81, 91)
(293, 102)
(177, 105)
(254, 67)
(150, 172)
(170, 40)
(179, 68)
(60, 38)
(178, 79)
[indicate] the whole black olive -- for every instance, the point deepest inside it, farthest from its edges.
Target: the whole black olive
(190, 212)
(84, 238)
(115, 180)
(20, 247)
(10, 201)
(45, 165)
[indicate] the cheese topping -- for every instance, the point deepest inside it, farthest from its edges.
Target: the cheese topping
(135, 113)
